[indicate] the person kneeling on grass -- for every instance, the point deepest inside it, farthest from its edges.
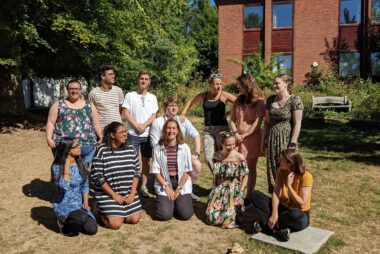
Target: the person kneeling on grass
(172, 168)
(116, 171)
(288, 210)
(230, 180)
(71, 200)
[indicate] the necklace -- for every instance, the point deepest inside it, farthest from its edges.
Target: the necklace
(283, 101)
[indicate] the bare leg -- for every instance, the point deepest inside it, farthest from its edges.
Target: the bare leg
(133, 219)
(145, 170)
(252, 163)
(112, 222)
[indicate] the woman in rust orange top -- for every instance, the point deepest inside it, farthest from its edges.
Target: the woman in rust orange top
(289, 208)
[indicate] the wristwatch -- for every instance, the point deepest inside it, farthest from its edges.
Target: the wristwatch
(196, 154)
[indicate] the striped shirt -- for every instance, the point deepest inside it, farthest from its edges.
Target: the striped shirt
(107, 103)
(171, 154)
(160, 166)
(117, 167)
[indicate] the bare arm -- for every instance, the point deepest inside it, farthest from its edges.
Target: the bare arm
(197, 99)
(265, 129)
(115, 196)
(149, 121)
(197, 144)
(229, 97)
(297, 120)
(256, 124)
(127, 116)
(95, 120)
(52, 118)
(169, 191)
(275, 203)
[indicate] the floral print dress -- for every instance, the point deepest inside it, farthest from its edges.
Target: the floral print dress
(226, 195)
(279, 132)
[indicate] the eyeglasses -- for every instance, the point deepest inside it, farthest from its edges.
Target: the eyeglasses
(143, 101)
(216, 75)
(73, 89)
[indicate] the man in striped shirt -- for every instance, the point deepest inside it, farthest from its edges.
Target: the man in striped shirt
(107, 97)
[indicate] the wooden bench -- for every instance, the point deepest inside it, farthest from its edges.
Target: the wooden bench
(332, 102)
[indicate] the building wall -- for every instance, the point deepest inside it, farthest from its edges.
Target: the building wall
(316, 27)
(230, 34)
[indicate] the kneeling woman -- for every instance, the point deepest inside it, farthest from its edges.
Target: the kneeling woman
(230, 180)
(116, 173)
(71, 201)
(290, 200)
(172, 168)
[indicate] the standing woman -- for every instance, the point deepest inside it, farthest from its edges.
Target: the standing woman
(116, 171)
(230, 179)
(74, 117)
(172, 167)
(214, 111)
(282, 127)
(71, 200)
(246, 117)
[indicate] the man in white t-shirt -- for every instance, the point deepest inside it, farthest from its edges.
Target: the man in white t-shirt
(107, 97)
(140, 109)
(187, 129)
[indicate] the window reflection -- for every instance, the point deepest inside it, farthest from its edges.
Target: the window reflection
(284, 64)
(282, 15)
(350, 11)
(253, 17)
(349, 64)
(375, 11)
(375, 64)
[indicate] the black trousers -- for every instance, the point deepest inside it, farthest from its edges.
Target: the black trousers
(79, 221)
(292, 218)
(181, 208)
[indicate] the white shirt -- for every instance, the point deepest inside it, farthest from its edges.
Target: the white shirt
(160, 165)
(141, 107)
(187, 129)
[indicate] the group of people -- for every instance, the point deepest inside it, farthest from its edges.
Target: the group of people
(90, 132)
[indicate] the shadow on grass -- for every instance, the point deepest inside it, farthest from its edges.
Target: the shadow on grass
(45, 216)
(39, 189)
(335, 136)
(34, 119)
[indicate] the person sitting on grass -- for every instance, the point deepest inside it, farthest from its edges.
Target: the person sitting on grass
(71, 200)
(230, 180)
(172, 168)
(289, 209)
(116, 172)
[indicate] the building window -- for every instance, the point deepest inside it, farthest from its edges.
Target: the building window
(283, 64)
(375, 11)
(349, 64)
(350, 11)
(253, 17)
(375, 64)
(282, 15)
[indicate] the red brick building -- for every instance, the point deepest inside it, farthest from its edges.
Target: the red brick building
(304, 32)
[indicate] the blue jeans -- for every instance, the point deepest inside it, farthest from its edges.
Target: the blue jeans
(87, 153)
(146, 150)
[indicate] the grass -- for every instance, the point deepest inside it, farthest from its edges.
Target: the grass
(345, 164)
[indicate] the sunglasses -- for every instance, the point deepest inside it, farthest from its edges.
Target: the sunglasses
(227, 134)
(216, 75)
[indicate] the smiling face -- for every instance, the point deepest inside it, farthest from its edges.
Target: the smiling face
(119, 137)
(215, 85)
(229, 144)
(172, 109)
(280, 86)
(74, 91)
(171, 131)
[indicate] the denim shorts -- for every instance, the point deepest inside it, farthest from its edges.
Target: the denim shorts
(143, 142)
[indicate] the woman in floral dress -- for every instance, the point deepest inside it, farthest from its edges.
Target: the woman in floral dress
(282, 127)
(230, 180)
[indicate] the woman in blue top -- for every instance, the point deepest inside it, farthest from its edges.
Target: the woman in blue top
(71, 200)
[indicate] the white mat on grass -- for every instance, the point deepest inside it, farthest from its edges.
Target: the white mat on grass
(309, 240)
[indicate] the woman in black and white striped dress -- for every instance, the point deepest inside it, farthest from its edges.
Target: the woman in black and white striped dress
(116, 170)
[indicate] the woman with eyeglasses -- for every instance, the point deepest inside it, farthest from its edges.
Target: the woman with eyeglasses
(71, 200)
(116, 172)
(172, 167)
(214, 111)
(282, 126)
(230, 180)
(289, 208)
(246, 117)
(74, 117)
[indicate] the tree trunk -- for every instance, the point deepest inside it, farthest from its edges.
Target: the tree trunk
(11, 95)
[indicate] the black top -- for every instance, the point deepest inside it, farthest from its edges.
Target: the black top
(214, 112)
